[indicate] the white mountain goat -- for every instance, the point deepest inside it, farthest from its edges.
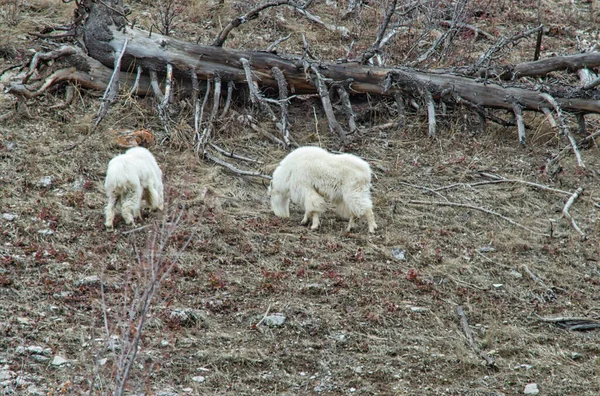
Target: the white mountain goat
(310, 175)
(131, 178)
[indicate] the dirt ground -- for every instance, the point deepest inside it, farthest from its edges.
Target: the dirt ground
(364, 314)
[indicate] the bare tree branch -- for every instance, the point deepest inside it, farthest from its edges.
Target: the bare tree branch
(252, 14)
(368, 54)
(111, 91)
(567, 215)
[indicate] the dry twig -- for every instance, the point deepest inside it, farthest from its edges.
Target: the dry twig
(464, 324)
(517, 109)
(573, 323)
(376, 47)
(283, 100)
(163, 105)
(112, 88)
(136, 84)
(497, 181)
(566, 213)
(252, 14)
(230, 87)
(550, 293)
(552, 162)
(39, 56)
(430, 111)
(563, 127)
(274, 45)
(334, 125)
(460, 205)
(231, 154)
(232, 168)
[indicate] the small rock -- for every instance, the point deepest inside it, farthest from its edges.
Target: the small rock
(46, 232)
(516, 274)
(486, 249)
(164, 343)
(46, 181)
(399, 254)
(23, 321)
(167, 393)
(9, 216)
(21, 382)
(274, 320)
(526, 366)
(186, 317)
(35, 349)
(198, 378)
(575, 355)
(6, 375)
(58, 361)
(102, 361)
(93, 280)
(187, 390)
(39, 358)
(498, 285)
(340, 337)
(531, 389)
(418, 309)
(33, 390)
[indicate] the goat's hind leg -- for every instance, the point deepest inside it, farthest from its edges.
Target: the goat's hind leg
(371, 220)
(351, 223)
(109, 211)
(314, 204)
(130, 207)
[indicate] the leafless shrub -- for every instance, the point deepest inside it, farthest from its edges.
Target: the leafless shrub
(168, 15)
(144, 280)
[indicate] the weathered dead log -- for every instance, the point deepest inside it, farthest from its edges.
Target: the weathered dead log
(104, 39)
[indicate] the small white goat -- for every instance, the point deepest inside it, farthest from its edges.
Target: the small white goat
(309, 175)
(131, 178)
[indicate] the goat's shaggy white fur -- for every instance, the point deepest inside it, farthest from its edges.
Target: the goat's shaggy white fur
(309, 175)
(131, 178)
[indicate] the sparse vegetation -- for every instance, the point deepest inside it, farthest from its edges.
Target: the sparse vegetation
(363, 314)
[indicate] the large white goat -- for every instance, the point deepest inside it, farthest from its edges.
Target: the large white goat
(309, 175)
(131, 177)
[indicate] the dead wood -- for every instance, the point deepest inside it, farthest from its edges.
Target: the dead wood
(520, 124)
(484, 210)
(574, 323)
(551, 164)
(368, 54)
(108, 37)
(252, 14)
(464, 324)
(567, 215)
(548, 290)
(155, 52)
(467, 26)
(528, 183)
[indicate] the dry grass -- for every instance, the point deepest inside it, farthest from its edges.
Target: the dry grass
(357, 317)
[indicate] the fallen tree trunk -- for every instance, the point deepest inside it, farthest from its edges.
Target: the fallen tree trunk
(155, 58)
(104, 41)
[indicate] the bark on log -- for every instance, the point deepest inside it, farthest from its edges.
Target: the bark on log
(105, 33)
